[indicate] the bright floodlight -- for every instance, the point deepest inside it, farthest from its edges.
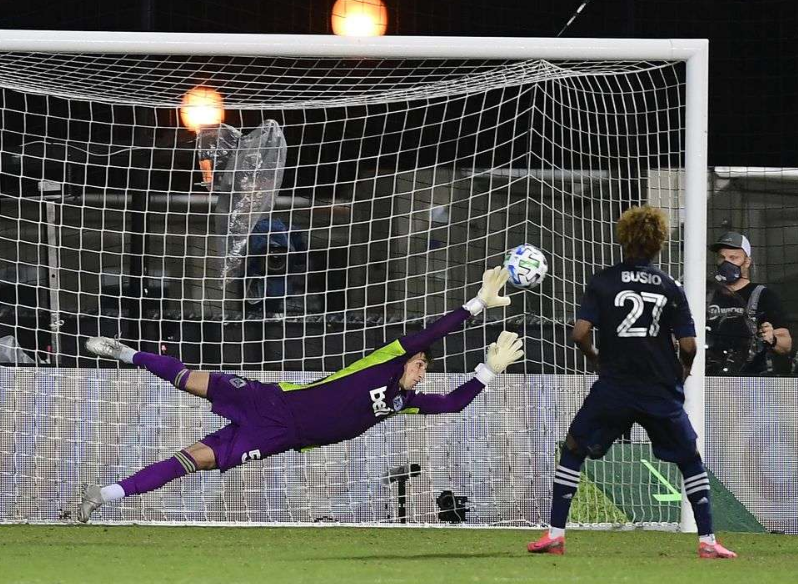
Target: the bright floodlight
(359, 18)
(202, 106)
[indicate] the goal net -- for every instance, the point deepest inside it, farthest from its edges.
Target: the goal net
(342, 201)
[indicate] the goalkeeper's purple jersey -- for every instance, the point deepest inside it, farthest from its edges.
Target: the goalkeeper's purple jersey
(349, 402)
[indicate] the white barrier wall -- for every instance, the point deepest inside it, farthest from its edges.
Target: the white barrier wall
(752, 445)
(69, 427)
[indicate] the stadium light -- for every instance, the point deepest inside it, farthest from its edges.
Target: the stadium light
(201, 106)
(359, 18)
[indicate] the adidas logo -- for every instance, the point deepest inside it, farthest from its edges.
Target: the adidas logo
(702, 501)
(568, 496)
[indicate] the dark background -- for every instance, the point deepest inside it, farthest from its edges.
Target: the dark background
(753, 71)
(753, 56)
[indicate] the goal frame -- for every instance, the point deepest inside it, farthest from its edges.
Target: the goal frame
(694, 52)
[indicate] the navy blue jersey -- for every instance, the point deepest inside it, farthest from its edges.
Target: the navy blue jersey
(637, 308)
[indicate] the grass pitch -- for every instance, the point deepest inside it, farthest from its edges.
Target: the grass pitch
(195, 555)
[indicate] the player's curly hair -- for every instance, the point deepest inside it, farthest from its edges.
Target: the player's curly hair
(642, 231)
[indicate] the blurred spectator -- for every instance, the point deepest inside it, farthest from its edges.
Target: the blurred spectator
(747, 331)
(276, 268)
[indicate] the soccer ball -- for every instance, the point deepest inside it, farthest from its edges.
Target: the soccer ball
(527, 266)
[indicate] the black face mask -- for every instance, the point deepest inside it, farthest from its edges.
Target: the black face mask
(728, 273)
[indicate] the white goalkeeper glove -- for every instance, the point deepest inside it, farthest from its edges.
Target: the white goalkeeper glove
(507, 349)
(488, 296)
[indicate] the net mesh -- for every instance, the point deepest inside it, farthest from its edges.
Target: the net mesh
(341, 204)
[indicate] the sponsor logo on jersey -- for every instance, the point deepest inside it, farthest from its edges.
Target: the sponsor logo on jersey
(398, 403)
(378, 402)
(237, 382)
(641, 278)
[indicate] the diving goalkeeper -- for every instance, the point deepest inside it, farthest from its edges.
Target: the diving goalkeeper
(267, 419)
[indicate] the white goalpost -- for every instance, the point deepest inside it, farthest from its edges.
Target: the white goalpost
(354, 191)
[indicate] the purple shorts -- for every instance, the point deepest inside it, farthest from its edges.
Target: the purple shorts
(261, 425)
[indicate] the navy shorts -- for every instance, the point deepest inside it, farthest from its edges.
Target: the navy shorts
(261, 425)
(609, 411)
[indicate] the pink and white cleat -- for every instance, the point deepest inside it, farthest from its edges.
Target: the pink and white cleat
(547, 545)
(714, 551)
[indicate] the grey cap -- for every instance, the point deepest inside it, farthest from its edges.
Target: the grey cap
(733, 240)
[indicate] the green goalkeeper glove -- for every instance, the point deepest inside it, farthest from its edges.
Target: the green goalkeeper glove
(507, 349)
(488, 296)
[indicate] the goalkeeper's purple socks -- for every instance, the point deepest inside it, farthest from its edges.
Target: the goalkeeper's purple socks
(166, 367)
(157, 475)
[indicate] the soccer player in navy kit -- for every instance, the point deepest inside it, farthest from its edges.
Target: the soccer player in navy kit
(266, 419)
(638, 311)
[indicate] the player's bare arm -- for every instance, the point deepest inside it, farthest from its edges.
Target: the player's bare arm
(688, 348)
(583, 338)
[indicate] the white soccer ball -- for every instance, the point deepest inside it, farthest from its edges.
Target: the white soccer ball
(527, 266)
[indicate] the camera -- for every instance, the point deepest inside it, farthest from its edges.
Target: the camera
(452, 507)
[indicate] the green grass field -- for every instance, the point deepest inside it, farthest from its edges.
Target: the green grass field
(39, 554)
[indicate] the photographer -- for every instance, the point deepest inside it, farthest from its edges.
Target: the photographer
(746, 329)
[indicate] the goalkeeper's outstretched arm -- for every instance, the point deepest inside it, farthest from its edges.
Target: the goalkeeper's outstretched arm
(506, 350)
(489, 296)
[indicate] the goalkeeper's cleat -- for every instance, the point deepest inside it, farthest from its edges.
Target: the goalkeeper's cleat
(714, 551)
(547, 545)
(106, 347)
(91, 500)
